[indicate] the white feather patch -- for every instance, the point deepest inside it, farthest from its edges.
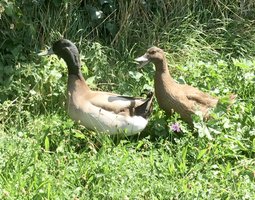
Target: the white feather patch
(101, 120)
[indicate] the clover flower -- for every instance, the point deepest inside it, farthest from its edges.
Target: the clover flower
(176, 127)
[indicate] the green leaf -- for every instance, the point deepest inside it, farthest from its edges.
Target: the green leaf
(9, 9)
(201, 153)
(135, 75)
(91, 81)
(184, 153)
(139, 145)
(112, 28)
(253, 145)
(47, 143)
(79, 135)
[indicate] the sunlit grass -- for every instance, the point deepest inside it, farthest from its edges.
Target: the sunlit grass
(46, 155)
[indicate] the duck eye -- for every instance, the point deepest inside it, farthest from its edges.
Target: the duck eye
(152, 52)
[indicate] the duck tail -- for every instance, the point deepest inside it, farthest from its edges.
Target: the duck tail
(145, 109)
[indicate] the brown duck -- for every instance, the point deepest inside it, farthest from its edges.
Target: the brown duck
(105, 112)
(183, 99)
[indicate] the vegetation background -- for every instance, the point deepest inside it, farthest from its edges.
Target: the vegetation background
(44, 155)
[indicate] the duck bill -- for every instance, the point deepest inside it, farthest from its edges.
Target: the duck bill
(46, 52)
(142, 61)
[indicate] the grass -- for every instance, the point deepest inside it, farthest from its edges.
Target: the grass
(45, 155)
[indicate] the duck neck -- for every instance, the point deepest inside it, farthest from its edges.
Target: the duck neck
(74, 68)
(75, 71)
(162, 69)
(73, 64)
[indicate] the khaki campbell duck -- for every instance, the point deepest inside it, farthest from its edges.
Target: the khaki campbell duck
(100, 111)
(181, 98)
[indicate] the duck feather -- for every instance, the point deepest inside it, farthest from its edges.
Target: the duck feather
(98, 110)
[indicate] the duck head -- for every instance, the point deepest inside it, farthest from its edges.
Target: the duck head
(67, 50)
(154, 55)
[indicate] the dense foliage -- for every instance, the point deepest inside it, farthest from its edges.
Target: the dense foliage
(45, 155)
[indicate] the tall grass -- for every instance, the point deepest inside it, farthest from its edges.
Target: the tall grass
(135, 21)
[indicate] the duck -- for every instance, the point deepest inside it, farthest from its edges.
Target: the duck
(103, 112)
(172, 96)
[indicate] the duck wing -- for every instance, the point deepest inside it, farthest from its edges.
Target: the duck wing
(123, 105)
(200, 97)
